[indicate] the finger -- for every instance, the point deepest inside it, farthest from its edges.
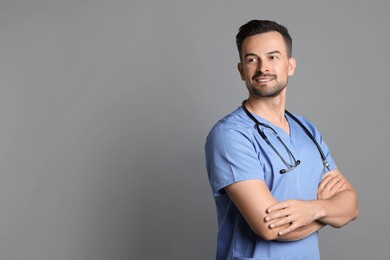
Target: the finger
(337, 186)
(331, 187)
(287, 230)
(277, 206)
(282, 213)
(331, 183)
(341, 188)
(281, 222)
(325, 181)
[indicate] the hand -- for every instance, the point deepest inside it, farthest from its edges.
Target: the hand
(296, 213)
(330, 185)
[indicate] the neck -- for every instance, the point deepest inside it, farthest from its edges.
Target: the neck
(271, 109)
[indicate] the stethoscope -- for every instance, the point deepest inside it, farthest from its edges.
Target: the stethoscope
(296, 162)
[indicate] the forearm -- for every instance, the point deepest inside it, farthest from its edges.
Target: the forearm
(336, 211)
(302, 232)
(339, 209)
(291, 215)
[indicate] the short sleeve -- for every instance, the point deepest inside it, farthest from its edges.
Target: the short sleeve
(319, 138)
(231, 157)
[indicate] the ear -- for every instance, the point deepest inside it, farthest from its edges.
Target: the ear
(292, 63)
(241, 70)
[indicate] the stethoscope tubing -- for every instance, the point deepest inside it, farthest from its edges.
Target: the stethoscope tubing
(308, 133)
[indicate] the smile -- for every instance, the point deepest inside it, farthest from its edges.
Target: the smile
(264, 80)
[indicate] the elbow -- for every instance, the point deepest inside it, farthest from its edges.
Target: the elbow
(342, 222)
(266, 233)
(356, 213)
(268, 236)
(353, 214)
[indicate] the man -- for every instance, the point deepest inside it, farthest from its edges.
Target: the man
(273, 187)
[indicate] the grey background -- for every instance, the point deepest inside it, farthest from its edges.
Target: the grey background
(105, 106)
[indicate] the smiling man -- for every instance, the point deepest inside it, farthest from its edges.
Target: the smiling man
(273, 178)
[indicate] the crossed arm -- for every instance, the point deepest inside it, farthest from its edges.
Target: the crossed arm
(290, 220)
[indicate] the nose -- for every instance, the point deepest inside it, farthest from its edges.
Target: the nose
(262, 67)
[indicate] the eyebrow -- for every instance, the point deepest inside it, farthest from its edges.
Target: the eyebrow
(273, 52)
(250, 54)
(268, 53)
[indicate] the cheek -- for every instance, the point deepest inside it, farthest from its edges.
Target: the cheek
(245, 75)
(248, 78)
(249, 73)
(285, 71)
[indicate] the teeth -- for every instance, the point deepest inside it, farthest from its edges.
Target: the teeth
(264, 80)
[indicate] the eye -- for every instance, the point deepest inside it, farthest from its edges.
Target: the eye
(273, 57)
(251, 60)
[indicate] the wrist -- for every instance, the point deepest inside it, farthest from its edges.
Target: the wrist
(318, 209)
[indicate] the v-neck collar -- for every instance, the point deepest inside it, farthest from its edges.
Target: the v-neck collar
(278, 129)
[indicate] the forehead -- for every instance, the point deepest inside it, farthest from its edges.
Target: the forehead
(263, 43)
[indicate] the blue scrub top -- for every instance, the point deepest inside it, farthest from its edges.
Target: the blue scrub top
(236, 152)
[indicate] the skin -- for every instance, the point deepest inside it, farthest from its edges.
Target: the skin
(265, 67)
(264, 56)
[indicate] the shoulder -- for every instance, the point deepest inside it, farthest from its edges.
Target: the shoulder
(312, 128)
(233, 125)
(306, 122)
